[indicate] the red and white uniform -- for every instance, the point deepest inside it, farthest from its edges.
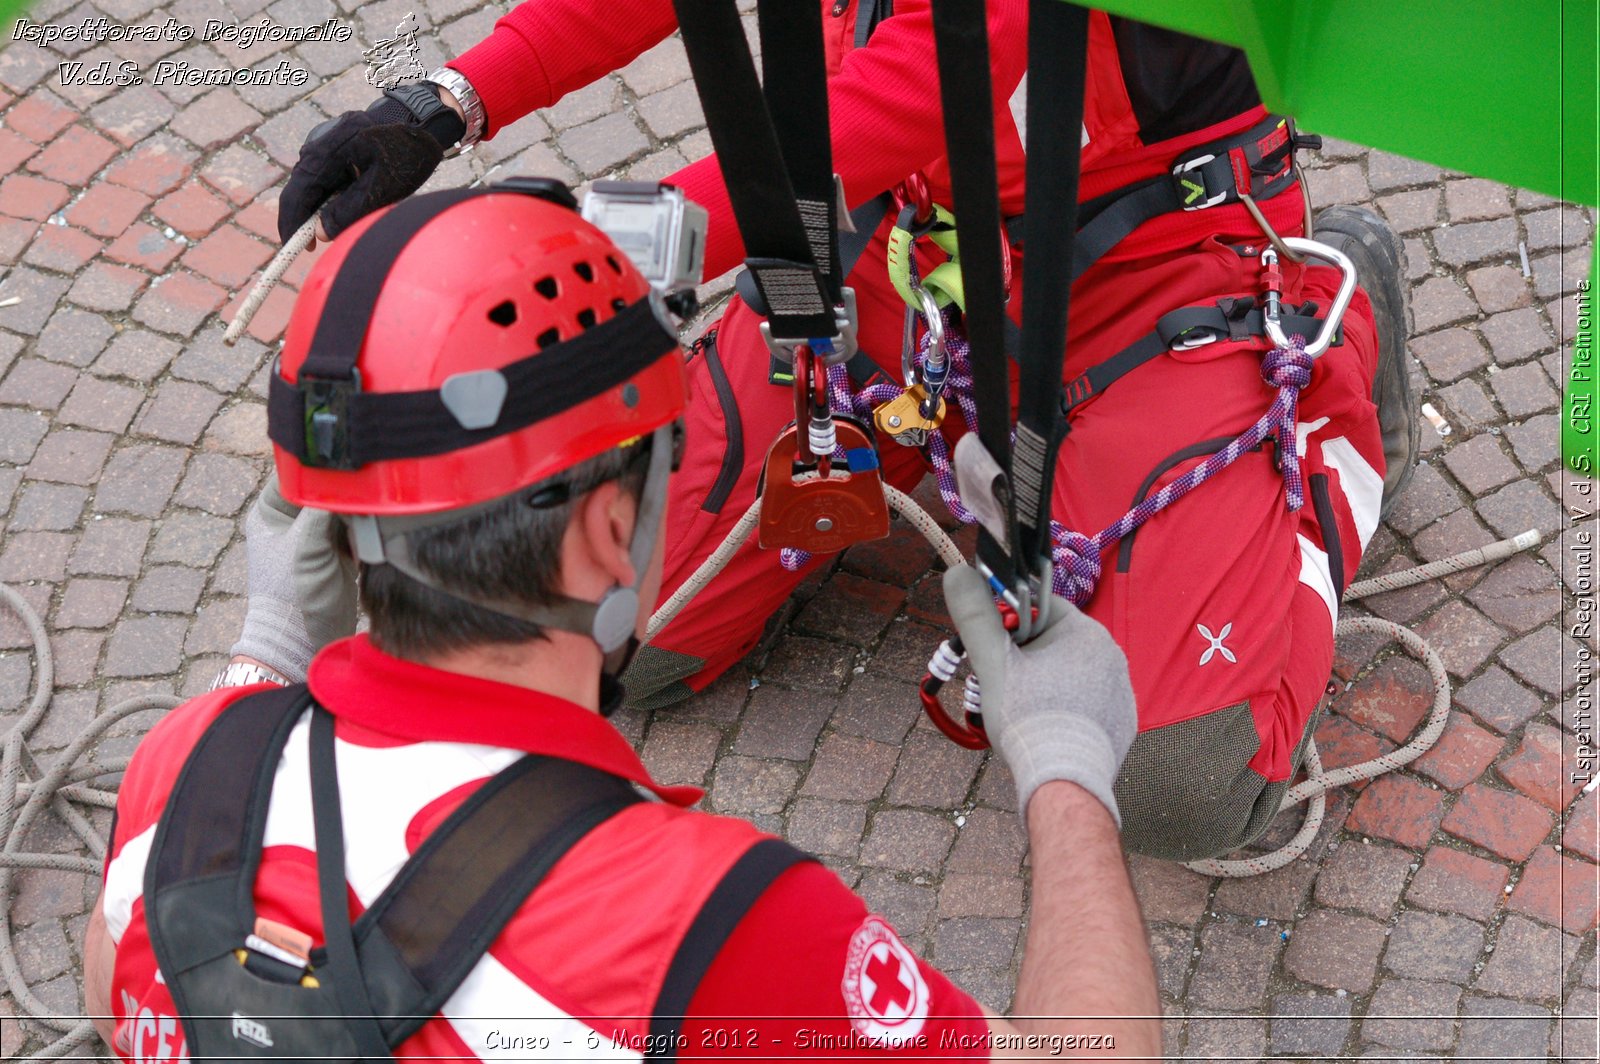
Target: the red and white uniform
(577, 970)
(1227, 568)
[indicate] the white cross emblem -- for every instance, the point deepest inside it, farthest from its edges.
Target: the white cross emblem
(1216, 646)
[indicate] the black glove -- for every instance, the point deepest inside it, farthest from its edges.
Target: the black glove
(351, 165)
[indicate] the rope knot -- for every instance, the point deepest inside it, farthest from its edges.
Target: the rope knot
(1288, 366)
(1077, 565)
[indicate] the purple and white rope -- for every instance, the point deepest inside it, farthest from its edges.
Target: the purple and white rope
(1076, 557)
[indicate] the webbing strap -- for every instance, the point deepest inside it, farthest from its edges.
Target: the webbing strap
(1173, 326)
(462, 886)
(739, 889)
(347, 312)
(342, 971)
(366, 427)
(761, 188)
(1058, 40)
(961, 40)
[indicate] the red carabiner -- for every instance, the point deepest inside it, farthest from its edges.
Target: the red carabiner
(969, 735)
(914, 190)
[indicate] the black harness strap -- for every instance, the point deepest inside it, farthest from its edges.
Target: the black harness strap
(961, 40)
(739, 889)
(384, 978)
(449, 902)
(1058, 41)
(799, 289)
(342, 971)
(1187, 322)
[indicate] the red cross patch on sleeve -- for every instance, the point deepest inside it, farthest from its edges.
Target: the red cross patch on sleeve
(885, 994)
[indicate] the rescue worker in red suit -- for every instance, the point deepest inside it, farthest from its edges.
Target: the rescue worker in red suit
(1226, 603)
(505, 564)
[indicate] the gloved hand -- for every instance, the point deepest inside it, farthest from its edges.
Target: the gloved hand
(1060, 708)
(364, 160)
(302, 593)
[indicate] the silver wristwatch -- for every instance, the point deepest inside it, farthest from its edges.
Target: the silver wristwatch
(471, 106)
(245, 673)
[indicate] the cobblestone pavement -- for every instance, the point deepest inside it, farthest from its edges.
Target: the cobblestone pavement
(1446, 909)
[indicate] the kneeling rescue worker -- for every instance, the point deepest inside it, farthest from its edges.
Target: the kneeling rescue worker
(437, 846)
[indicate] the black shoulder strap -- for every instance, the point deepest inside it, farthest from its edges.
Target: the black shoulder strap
(425, 932)
(746, 881)
(211, 827)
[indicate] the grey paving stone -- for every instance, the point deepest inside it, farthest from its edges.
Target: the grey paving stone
(827, 827)
(49, 507)
(1309, 1025)
(908, 906)
(111, 546)
(1335, 950)
(1235, 963)
(1529, 961)
(146, 646)
(1366, 878)
(782, 723)
(975, 942)
(1430, 946)
(1411, 1014)
(752, 785)
(1500, 1029)
(933, 772)
(907, 840)
(850, 768)
(192, 539)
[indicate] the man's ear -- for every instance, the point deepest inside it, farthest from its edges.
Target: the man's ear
(604, 519)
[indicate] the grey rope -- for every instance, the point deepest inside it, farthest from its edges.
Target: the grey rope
(64, 783)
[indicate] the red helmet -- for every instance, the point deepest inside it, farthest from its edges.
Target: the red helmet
(463, 345)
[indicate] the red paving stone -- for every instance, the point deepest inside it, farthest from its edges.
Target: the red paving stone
(1399, 809)
(1558, 890)
(191, 210)
(1502, 822)
(40, 116)
(1341, 744)
(1539, 770)
(146, 247)
(1461, 754)
(1392, 700)
(63, 249)
(22, 196)
(74, 156)
(228, 257)
(14, 151)
(155, 167)
(106, 210)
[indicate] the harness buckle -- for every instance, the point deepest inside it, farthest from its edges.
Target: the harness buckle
(1189, 189)
(1271, 316)
(834, 350)
(327, 419)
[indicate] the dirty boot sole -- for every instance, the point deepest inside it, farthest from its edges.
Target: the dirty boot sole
(1380, 262)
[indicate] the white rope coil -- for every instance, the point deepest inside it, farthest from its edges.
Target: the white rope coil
(1318, 782)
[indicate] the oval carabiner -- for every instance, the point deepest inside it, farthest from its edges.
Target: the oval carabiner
(1341, 300)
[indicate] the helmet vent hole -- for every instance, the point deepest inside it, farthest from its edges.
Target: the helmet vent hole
(584, 270)
(616, 267)
(548, 337)
(547, 287)
(587, 317)
(504, 314)
(618, 306)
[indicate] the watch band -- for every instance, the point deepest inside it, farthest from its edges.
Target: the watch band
(471, 105)
(245, 673)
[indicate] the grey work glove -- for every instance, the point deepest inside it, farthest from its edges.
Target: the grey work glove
(302, 593)
(1060, 708)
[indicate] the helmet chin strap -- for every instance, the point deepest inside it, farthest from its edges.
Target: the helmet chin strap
(611, 622)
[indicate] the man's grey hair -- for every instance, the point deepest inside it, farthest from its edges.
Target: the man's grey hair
(510, 551)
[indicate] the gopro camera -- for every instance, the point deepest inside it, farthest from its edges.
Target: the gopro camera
(657, 227)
